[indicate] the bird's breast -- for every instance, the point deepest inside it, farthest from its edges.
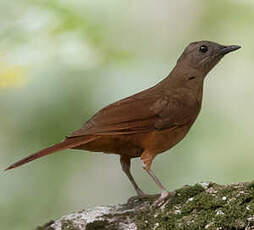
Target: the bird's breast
(159, 141)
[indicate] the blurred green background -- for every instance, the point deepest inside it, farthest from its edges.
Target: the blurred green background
(61, 61)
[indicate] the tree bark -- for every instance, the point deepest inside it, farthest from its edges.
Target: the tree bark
(202, 206)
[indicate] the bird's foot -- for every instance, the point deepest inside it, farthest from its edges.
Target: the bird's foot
(143, 197)
(164, 198)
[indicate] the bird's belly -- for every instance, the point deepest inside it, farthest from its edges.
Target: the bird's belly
(134, 145)
(160, 141)
(120, 144)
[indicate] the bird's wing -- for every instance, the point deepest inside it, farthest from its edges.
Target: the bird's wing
(140, 114)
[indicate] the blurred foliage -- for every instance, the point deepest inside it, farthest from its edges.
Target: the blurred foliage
(11, 76)
(61, 61)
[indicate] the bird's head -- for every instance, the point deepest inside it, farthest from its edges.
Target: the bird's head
(204, 55)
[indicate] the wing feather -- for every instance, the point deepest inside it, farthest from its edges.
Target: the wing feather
(140, 114)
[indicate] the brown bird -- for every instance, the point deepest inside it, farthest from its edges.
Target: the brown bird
(149, 122)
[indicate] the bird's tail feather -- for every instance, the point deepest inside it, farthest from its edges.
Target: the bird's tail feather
(65, 144)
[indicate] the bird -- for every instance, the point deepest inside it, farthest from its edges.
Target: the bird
(151, 121)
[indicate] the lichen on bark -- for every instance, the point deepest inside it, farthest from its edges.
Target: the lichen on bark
(202, 206)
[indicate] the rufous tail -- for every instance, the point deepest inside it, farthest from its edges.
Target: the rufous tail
(65, 144)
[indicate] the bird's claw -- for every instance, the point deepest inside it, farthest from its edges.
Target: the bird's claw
(163, 199)
(143, 197)
(158, 199)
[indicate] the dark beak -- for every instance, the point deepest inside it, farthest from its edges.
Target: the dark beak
(228, 49)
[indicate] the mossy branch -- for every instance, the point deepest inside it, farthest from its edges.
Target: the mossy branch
(202, 206)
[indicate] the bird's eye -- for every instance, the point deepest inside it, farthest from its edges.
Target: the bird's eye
(203, 49)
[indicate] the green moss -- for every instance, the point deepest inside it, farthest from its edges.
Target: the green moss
(251, 185)
(99, 225)
(68, 225)
(187, 192)
(193, 207)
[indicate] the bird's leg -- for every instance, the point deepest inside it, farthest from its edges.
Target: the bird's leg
(126, 163)
(164, 192)
(147, 162)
